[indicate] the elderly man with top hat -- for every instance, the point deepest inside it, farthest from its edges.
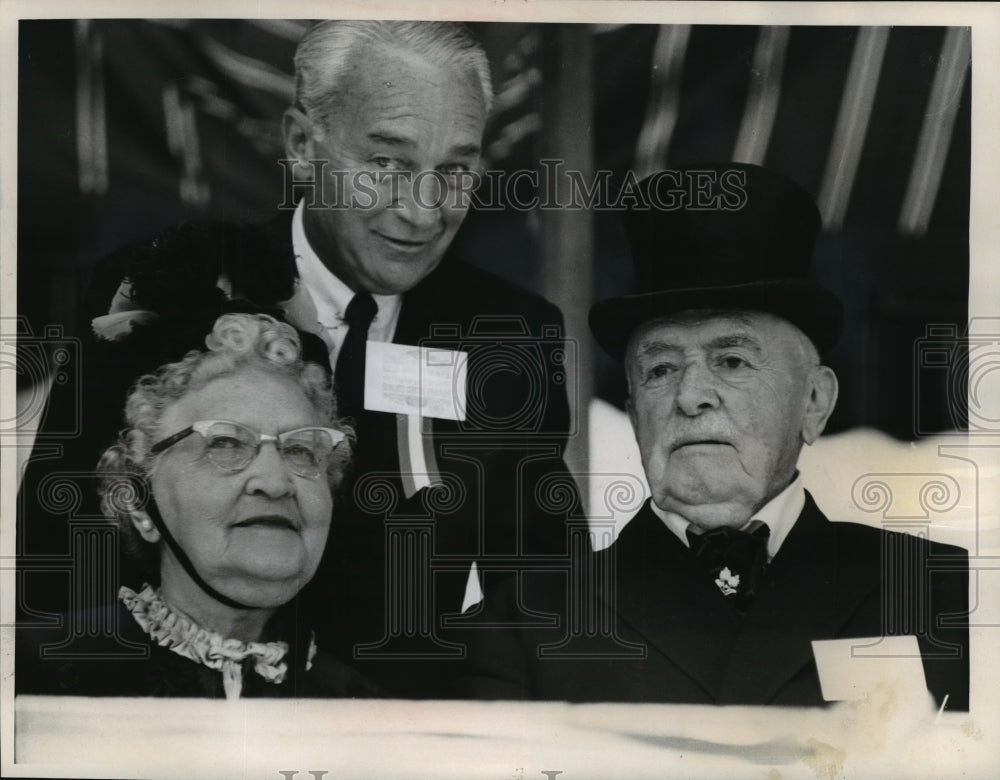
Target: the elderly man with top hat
(715, 590)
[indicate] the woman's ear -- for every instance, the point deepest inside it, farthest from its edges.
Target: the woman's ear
(145, 526)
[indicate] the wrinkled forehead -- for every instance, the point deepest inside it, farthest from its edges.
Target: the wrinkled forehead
(709, 328)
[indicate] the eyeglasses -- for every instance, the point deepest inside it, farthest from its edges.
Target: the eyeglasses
(232, 447)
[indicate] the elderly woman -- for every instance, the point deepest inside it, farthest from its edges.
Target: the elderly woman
(223, 482)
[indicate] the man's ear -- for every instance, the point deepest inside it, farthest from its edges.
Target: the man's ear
(297, 131)
(823, 388)
(144, 525)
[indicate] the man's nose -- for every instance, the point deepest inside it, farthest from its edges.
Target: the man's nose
(268, 474)
(421, 199)
(696, 392)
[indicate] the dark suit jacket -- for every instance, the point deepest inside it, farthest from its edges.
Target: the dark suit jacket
(664, 633)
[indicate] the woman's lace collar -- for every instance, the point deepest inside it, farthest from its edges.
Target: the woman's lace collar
(183, 636)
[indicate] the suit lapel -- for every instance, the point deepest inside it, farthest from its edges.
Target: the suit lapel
(412, 324)
(812, 588)
(668, 599)
(425, 304)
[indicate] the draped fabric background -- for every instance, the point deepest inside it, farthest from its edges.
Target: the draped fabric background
(128, 126)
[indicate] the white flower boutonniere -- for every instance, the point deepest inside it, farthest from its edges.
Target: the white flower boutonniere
(728, 582)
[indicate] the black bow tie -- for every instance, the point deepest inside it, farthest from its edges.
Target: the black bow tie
(735, 559)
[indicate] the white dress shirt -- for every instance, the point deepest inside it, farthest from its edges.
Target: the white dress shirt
(331, 295)
(780, 514)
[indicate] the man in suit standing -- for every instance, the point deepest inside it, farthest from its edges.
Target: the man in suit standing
(714, 591)
(382, 140)
(388, 124)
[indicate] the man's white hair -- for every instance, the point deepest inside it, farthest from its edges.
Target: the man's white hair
(328, 48)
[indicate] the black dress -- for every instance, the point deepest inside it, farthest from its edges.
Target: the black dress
(111, 654)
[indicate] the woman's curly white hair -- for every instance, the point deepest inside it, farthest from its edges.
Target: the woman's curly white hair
(236, 341)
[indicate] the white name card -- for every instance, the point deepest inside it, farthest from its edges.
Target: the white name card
(418, 381)
(851, 669)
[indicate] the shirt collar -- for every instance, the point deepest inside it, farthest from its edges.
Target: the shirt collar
(780, 514)
(329, 293)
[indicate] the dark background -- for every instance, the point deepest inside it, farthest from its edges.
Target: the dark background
(129, 126)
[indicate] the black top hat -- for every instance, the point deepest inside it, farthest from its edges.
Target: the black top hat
(720, 236)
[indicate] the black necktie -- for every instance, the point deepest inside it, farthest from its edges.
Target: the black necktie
(735, 559)
(349, 376)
